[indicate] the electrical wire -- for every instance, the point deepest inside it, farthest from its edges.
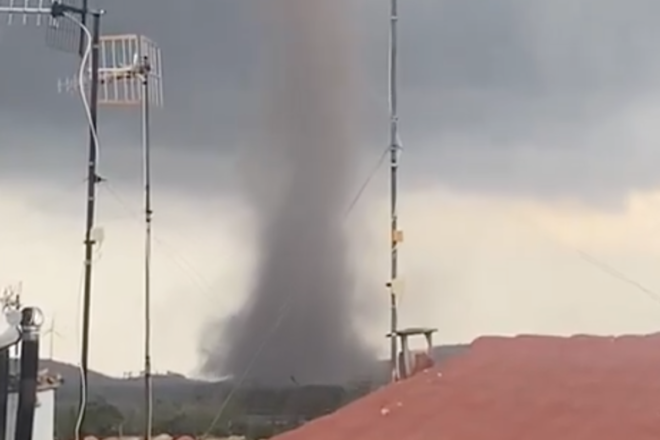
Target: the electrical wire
(367, 181)
(589, 258)
(176, 257)
(284, 309)
(88, 112)
(184, 264)
(204, 285)
(617, 274)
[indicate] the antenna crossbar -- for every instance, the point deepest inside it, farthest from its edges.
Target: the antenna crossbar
(25, 10)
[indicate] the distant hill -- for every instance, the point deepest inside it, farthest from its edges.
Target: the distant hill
(119, 391)
(71, 375)
(127, 392)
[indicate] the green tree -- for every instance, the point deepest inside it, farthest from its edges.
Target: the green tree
(102, 419)
(65, 421)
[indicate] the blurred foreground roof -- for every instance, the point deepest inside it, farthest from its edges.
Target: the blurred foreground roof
(545, 388)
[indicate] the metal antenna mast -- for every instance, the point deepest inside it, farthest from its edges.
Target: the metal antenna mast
(130, 75)
(69, 36)
(396, 236)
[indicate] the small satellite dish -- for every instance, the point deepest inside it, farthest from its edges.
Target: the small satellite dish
(98, 235)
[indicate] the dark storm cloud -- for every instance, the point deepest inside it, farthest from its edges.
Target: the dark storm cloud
(207, 61)
(530, 97)
(505, 96)
(207, 57)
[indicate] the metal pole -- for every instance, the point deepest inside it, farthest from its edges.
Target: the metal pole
(4, 389)
(27, 391)
(394, 158)
(83, 21)
(51, 347)
(15, 349)
(92, 180)
(146, 145)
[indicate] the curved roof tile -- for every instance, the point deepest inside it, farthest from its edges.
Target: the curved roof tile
(575, 388)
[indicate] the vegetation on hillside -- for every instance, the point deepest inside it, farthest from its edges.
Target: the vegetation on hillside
(253, 412)
(186, 406)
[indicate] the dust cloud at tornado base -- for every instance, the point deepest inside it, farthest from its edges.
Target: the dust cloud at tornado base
(300, 193)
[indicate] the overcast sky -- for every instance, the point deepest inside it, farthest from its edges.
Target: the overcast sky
(529, 130)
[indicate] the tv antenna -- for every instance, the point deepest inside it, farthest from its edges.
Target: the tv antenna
(67, 30)
(131, 75)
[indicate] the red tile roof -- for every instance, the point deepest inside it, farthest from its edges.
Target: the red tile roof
(527, 387)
